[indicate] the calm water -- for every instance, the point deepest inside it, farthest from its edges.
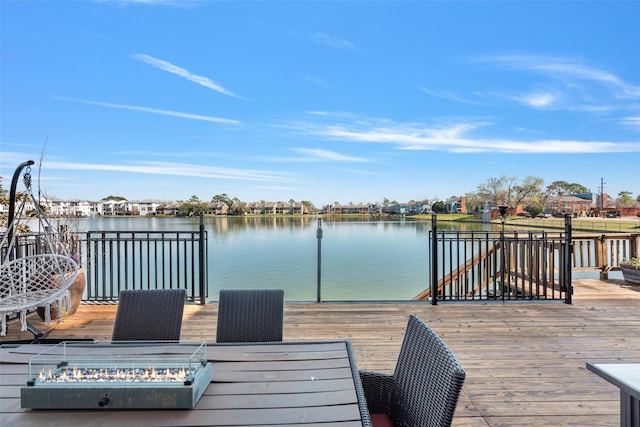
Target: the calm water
(360, 260)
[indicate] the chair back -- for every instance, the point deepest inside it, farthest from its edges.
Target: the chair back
(428, 379)
(149, 315)
(250, 315)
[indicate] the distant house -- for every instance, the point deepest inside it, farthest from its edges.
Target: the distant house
(573, 205)
(132, 207)
(254, 208)
(282, 208)
(28, 206)
(217, 208)
(456, 205)
(80, 208)
(55, 207)
(423, 207)
(589, 204)
(347, 209)
(269, 208)
(67, 208)
(168, 208)
(145, 207)
(113, 207)
(290, 208)
(405, 209)
(272, 208)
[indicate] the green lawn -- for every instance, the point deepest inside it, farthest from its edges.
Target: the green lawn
(626, 225)
(623, 225)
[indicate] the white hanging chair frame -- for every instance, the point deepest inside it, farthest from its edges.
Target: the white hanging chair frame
(32, 281)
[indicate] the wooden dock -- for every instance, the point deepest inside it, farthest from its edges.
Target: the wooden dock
(525, 361)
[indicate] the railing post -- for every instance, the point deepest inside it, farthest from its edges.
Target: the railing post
(434, 259)
(89, 265)
(201, 261)
(319, 277)
(601, 257)
(12, 205)
(634, 239)
(503, 253)
(568, 253)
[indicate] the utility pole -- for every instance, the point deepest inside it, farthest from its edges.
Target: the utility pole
(601, 195)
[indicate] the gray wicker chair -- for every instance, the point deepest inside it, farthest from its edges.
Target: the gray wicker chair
(426, 384)
(250, 315)
(149, 315)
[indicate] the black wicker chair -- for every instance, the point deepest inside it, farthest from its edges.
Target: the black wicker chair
(250, 315)
(426, 384)
(149, 315)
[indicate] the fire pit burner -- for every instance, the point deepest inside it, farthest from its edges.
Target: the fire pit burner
(77, 375)
(122, 375)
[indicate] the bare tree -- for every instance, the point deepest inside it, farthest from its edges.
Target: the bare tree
(493, 191)
(529, 189)
(625, 198)
(509, 187)
(473, 202)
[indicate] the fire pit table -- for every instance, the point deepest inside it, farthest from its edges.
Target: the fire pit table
(117, 375)
(309, 383)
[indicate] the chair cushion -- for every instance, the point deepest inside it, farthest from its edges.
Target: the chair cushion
(381, 420)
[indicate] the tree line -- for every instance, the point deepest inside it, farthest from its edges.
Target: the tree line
(195, 206)
(504, 190)
(531, 193)
(511, 191)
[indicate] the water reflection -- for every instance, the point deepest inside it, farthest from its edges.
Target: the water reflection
(362, 258)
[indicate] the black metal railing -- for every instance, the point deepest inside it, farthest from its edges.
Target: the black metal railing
(24, 244)
(491, 265)
(464, 265)
(116, 260)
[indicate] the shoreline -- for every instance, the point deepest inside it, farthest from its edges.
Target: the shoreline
(607, 225)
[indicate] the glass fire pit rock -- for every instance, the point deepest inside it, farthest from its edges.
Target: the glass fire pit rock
(117, 375)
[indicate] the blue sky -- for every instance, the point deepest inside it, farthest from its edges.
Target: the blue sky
(318, 100)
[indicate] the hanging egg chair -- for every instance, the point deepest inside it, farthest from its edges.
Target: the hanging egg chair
(35, 271)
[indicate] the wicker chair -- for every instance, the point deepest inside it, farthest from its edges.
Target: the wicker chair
(250, 315)
(149, 315)
(426, 384)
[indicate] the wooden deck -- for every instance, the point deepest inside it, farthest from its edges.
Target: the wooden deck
(525, 362)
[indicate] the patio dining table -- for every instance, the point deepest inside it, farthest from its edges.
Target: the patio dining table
(285, 384)
(625, 376)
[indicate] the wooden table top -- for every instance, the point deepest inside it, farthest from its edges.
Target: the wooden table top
(286, 384)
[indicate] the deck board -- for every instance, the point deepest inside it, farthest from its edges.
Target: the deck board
(525, 361)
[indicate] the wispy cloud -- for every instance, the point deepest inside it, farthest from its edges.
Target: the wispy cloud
(537, 99)
(275, 187)
(153, 111)
(455, 137)
(179, 169)
(320, 154)
(173, 155)
(425, 140)
(185, 74)
(448, 95)
(331, 41)
(564, 84)
(632, 122)
(564, 68)
(311, 155)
